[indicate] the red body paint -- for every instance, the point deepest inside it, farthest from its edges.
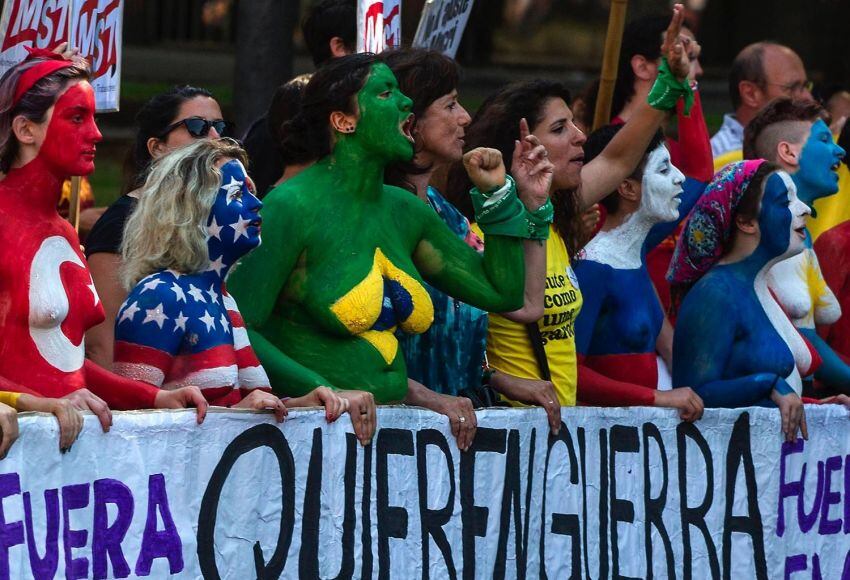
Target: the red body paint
(47, 297)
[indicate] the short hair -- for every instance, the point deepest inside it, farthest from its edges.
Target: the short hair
(167, 229)
(596, 144)
(747, 66)
(325, 20)
(781, 120)
(642, 37)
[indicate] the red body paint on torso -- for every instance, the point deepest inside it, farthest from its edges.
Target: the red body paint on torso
(47, 297)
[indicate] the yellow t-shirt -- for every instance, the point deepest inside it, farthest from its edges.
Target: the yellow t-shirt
(508, 346)
(722, 161)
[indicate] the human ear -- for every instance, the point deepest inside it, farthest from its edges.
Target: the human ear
(751, 94)
(745, 225)
(25, 130)
(788, 154)
(337, 47)
(630, 190)
(343, 122)
(641, 68)
(156, 147)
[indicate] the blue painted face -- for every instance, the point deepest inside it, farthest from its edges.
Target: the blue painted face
(782, 217)
(233, 226)
(819, 161)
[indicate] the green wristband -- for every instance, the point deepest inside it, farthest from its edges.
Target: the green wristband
(539, 221)
(500, 213)
(667, 90)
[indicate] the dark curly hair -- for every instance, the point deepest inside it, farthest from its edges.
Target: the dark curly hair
(496, 125)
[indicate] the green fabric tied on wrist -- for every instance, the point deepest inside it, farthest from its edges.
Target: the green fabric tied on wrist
(667, 90)
(539, 221)
(500, 213)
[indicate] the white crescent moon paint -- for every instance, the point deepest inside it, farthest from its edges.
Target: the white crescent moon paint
(49, 305)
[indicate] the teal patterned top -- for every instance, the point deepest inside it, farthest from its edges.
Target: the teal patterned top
(449, 356)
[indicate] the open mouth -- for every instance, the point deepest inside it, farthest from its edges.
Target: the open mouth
(801, 231)
(578, 160)
(407, 128)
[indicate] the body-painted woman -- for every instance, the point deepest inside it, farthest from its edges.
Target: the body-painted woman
(792, 135)
(196, 217)
(727, 345)
(575, 187)
(620, 321)
(449, 357)
(345, 255)
(48, 297)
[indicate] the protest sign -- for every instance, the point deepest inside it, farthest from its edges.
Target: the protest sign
(442, 24)
(94, 26)
(617, 493)
(378, 25)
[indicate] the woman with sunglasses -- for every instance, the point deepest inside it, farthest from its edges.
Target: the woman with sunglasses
(168, 121)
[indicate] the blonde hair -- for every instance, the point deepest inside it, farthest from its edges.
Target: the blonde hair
(168, 228)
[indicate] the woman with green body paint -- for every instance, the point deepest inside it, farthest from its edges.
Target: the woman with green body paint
(344, 255)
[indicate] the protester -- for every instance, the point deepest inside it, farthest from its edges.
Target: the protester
(620, 320)
(196, 217)
(330, 320)
(287, 104)
(732, 338)
(537, 352)
(47, 134)
(761, 72)
(169, 120)
(690, 151)
(329, 30)
(829, 212)
(793, 135)
(448, 358)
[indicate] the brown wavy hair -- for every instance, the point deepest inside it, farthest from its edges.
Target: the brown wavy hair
(496, 125)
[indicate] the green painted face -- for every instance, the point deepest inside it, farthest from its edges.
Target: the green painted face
(384, 124)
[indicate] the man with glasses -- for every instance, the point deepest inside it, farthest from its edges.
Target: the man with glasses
(760, 73)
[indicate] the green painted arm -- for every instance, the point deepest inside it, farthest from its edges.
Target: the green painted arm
(494, 281)
(257, 283)
(287, 376)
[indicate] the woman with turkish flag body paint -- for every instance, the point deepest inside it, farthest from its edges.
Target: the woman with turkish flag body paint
(196, 217)
(47, 134)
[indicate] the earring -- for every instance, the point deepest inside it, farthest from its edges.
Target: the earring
(350, 130)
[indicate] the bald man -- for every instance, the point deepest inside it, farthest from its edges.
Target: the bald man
(760, 73)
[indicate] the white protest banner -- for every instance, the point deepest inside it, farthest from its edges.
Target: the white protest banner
(442, 24)
(378, 25)
(95, 27)
(617, 493)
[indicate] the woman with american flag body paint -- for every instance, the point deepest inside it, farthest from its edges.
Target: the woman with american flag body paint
(196, 217)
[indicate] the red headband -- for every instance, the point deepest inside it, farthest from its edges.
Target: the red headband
(35, 73)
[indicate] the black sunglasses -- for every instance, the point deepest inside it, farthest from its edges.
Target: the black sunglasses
(198, 127)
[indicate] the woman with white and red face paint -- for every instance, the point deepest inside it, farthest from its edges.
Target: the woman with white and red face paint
(168, 121)
(521, 369)
(47, 134)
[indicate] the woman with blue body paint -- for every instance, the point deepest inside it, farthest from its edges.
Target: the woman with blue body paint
(727, 345)
(793, 135)
(620, 322)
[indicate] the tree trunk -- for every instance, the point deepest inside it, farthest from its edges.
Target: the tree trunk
(264, 53)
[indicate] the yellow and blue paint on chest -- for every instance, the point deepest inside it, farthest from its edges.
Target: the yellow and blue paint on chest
(385, 299)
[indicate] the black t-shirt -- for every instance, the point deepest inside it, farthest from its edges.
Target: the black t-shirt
(108, 231)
